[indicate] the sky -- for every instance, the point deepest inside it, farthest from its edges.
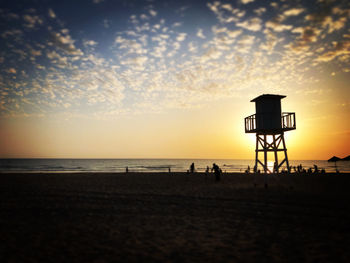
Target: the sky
(170, 79)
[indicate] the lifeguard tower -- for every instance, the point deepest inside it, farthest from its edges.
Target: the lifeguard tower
(269, 124)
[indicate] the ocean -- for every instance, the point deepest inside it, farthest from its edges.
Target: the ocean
(148, 165)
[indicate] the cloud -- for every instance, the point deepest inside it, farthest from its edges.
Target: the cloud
(144, 17)
(32, 21)
(274, 5)
(176, 46)
(270, 43)
(227, 7)
(334, 25)
(22, 54)
(308, 35)
(211, 53)
(293, 12)
(177, 24)
(246, 1)
(234, 33)
(341, 48)
(89, 43)
(159, 50)
(97, 1)
(137, 62)
(253, 24)
(260, 11)
(11, 71)
(35, 53)
(238, 13)
(9, 16)
(152, 12)
(244, 44)
(200, 33)
(51, 13)
(65, 42)
(223, 12)
(120, 40)
(214, 6)
(217, 30)
(57, 59)
(167, 63)
(16, 33)
(192, 47)
(277, 27)
(181, 37)
(95, 82)
(332, 18)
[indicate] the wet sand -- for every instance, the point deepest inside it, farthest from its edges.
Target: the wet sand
(162, 217)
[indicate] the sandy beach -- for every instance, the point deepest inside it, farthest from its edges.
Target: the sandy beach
(162, 217)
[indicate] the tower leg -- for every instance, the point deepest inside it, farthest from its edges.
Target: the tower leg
(285, 152)
(278, 144)
(275, 164)
(265, 154)
(256, 153)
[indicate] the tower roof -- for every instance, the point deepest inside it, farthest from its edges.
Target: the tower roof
(268, 96)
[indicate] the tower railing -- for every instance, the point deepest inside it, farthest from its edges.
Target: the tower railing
(250, 123)
(287, 122)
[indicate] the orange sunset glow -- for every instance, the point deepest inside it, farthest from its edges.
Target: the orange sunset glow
(171, 80)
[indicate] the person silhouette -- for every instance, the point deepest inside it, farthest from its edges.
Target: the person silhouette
(207, 171)
(192, 168)
(275, 167)
(217, 171)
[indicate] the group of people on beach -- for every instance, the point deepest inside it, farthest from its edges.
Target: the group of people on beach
(216, 169)
(218, 172)
(297, 169)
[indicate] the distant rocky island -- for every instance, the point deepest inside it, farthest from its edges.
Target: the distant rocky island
(336, 159)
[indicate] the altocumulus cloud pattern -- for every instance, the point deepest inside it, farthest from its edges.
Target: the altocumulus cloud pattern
(108, 58)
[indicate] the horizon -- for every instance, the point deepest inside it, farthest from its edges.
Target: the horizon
(101, 158)
(159, 80)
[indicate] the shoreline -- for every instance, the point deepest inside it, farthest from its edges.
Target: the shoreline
(149, 165)
(172, 173)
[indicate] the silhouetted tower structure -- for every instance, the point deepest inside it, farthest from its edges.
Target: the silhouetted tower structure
(269, 124)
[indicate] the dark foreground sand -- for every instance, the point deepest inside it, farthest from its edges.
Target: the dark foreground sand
(173, 218)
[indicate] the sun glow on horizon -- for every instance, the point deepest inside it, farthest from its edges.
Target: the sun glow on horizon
(164, 79)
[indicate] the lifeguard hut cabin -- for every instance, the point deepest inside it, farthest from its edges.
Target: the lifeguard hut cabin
(269, 123)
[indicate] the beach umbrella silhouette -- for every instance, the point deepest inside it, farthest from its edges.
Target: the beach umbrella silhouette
(334, 159)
